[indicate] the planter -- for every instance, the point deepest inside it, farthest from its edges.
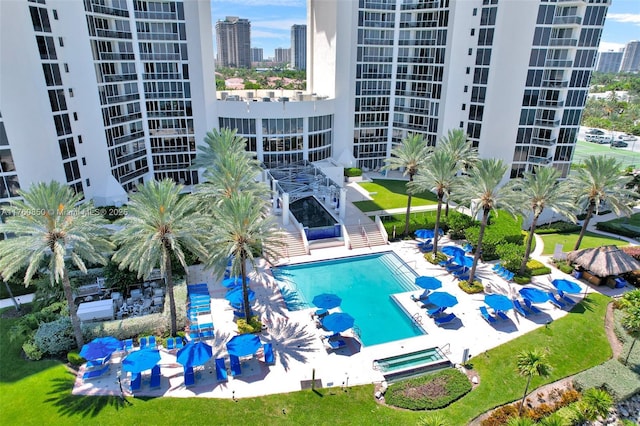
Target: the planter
(353, 179)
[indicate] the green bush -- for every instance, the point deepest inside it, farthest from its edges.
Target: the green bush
(75, 359)
(458, 223)
(429, 392)
(502, 230)
(615, 377)
(31, 350)
(521, 279)
(617, 228)
(563, 265)
(510, 255)
(471, 288)
(254, 325)
(558, 228)
(536, 268)
(439, 257)
(56, 337)
(352, 171)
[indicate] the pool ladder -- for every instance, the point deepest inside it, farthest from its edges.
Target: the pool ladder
(417, 318)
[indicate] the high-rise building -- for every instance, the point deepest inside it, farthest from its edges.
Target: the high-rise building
(233, 40)
(631, 58)
(282, 55)
(609, 61)
(257, 54)
(299, 47)
(103, 94)
(513, 75)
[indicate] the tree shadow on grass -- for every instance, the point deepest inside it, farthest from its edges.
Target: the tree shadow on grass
(584, 305)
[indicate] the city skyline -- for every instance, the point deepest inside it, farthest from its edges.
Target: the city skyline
(271, 21)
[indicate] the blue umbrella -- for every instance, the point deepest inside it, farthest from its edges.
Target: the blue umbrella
(442, 299)
(100, 347)
(535, 295)
(498, 302)
(327, 301)
(428, 283)
(453, 251)
(463, 260)
(338, 322)
(232, 282)
(566, 286)
(235, 296)
(139, 361)
(243, 345)
(424, 233)
(194, 353)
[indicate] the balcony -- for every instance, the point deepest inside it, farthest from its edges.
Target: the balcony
(550, 103)
(539, 160)
(563, 42)
(543, 142)
(111, 78)
(555, 83)
(567, 20)
(558, 63)
(546, 122)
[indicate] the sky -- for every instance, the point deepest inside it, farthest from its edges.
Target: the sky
(271, 21)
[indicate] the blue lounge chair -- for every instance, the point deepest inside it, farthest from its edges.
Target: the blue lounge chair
(189, 377)
(155, 381)
(234, 363)
(463, 277)
(179, 342)
(321, 313)
(92, 374)
(171, 343)
(555, 302)
(135, 382)
(269, 357)
(152, 342)
(467, 248)
(497, 267)
(335, 344)
(143, 342)
(566, 298)
(98, 362)
(423, 296)
(502, 315)
(519, 308)
(436, 311)
(485, 314)
(445, 319)
(221, 370)
(530, 307)
(620, 282)
(446, 262)
(128, 345)
(426, 248)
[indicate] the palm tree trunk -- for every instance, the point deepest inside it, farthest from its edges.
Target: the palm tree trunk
(406, 216)
(476, 257)
(526, 389)
(437, 227)
(527, 247)
(172, 300)
(13, 299)
(245, 287)
(446, 209)
(73, 312)
(592, 206)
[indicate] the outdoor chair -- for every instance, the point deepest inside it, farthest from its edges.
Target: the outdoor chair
(155, 381)
(485, 314)
(170, 343)
(519, 308)
(422, 297)
(135, 382)
(530, 307)
(143, 343)
(269, 357)
(445, 319)
(234, 363)
(334, 344)
(502, 315)
(566, 298)
(189, 377)
(467, 248)
(436, 311)
(179, 342)
(555, 302)
(94, 363)
(92, 374)
(221, 370)
(128, 345)
(152, 342)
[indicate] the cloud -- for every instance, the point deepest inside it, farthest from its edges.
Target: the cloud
(605, 46)
(627, 18)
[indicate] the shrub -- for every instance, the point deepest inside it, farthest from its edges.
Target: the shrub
(558, 228)
(503, 229)
(510, 255)
(75, 359)
(352, 171)
(56, 337)
(254, 325)
(432, 419)
(429, 392)
(616, 378)
(457, 223)
(617, 228)
(522, 279)
(501, 415)
(540, 411)
(471, 288)
(537, 268)
(439, 257)
(31, 350)
(633, 251)
(563, 265)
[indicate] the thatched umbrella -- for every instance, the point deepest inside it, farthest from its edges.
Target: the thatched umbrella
(604, 261)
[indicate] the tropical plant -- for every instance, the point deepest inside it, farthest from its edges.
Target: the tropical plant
(160, 221)
(599, 182)
(631, 322)
(531, 362)
(461, 150)
(439, 176)
(481, 188)
(411, 155)
(432, 419)
(538, 190)
(553, 420)
(49, 223)
(595, 403)
(218, 143)
(520, 421)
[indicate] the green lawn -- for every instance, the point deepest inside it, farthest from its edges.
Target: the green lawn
(35, 393)
(568, 241)
(391, 194)
(586, 149)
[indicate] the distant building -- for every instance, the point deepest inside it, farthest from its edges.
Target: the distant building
(283, 56)
(233, 40)
(631, 58)
(299, 47)
(257, 54)
(609, 61)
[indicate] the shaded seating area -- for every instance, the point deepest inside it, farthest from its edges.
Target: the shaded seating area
(221, 370)
(503, 272)
(487, 317)
(603, 265)
(96, 372)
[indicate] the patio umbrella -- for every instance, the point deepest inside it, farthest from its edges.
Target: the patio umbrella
(243, 345)
(100, 347)
(327, 301)
(604, 261)
(424, 233)
(139, 361)
(566, 286)
(235, 296)
(463, 260)
(428, 283)
(534, 295)
(338, 322)
(232, 282)
(454, 251)
(442, 299)
(194, 353)
(498, 302)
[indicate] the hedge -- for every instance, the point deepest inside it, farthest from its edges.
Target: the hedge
(559, 227)
(352, 171)
(449, 385)
(617, 228)
(502, 228)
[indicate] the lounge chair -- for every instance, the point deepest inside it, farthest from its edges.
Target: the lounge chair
(426, 248)
(171, 343)
(467, 248)
(269, 357)
(436, 311)
(128, 345)
(554, 301)
(422, 297)
(497, 267)
(234, 363)
(152, 342)
(155, 381)
(446, 262)
(135, 382)
(519, 308)
(334, 344)
(221, 370)
(502, 315)
(98, 362)
(566, 298)
(445, 319)
(92, 374)
(207, 334)
(530, 307)
(463, 277)
(620, 282)
(485, 314)
(321, 313)
(143, 342)
(189, 377)
(179, 342)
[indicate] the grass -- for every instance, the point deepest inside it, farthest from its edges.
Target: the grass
(568, 241)
(626, 156)
(47, 386)
(391, 194)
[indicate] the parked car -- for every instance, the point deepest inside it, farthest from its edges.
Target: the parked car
(595, 132)
(619, 144)
(601, 139)
(627, 137)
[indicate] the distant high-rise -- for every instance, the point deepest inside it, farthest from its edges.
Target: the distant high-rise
(299, 47)
(282, 55)
(609, 61)
(257, 54)
(631, 58)
(233, 40)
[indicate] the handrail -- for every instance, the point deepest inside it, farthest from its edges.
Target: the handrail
(446, 349)
(366, 237)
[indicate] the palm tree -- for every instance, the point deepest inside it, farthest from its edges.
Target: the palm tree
(538, 190)
(481, 188)
(631, 322)
(217, 143)
(159, 222)
(13, 299)
(462, 151)
(439, 176)
(599, 182)
(411, 155)
(242, 232)
(48, 223)
(531, 363)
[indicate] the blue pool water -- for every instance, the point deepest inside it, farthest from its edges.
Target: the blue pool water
(365, 284)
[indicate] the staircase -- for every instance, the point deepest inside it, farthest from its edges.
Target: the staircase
(365, 235)
(292, 245)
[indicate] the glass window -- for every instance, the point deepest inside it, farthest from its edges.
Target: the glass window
(46, 47)
(40, 19)
(6, 161)
(52, 74)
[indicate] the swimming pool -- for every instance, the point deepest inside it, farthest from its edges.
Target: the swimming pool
(365, 284)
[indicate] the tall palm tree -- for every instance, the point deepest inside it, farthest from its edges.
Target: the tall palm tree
(631, 322)
(159, 222)
(538, 190)
(439, 176)
(50, 224)
(481, 188)
(597, 183)
(411, 155)
(455, 143)
(218, 142)
(243, 231)
(531, 363)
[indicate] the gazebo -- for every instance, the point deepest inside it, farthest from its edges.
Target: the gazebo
(603, 264)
